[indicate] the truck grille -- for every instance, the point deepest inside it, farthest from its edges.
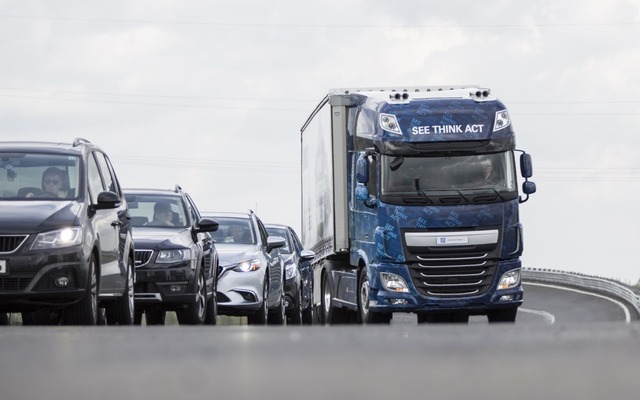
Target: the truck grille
(453, 270)
(142, 257)
(11, 243)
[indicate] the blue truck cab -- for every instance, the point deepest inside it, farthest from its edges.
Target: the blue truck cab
(410, 201)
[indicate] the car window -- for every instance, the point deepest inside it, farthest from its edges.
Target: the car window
(38, 176)
(263, 231)
(107, 173)
(156, 211)
(234, 231)
(282, 232)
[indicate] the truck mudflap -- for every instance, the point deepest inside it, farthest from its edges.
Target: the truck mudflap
(411, 300)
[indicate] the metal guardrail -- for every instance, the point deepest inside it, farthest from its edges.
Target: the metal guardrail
(583, 281)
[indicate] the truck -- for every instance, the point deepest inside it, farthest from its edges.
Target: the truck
(410, 201)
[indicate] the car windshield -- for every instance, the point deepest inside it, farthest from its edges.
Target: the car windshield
(234, 231)
(282, 232)
(38, 176)
(156, 211)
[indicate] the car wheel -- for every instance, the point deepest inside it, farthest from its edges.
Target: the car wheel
(364, 312)
(261, 315)
(195, 312)
(296, 311)
(278, 316)
(137, 318)
(155, 317)
(85, 311)
(212, 310)
(122, 311)
(4, 319)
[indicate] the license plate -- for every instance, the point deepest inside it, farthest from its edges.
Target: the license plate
(3, 267)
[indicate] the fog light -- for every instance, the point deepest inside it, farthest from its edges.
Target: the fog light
(177, 288)
(398, 302)
(62, 281)
(508, 297)
(393, 283)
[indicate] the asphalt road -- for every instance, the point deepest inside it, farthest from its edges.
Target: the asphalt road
(569, 345)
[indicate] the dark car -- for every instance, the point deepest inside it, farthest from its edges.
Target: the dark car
(251, 271)
(298, 283)
(66, 248)
(176, 260)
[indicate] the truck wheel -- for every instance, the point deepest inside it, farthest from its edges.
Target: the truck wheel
(503, 315)
(85, 311)
(261, 315)
(364, 313)
(122, 311)
(195, 312)
(326, 302)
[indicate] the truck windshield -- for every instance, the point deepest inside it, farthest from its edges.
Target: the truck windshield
(472, 178)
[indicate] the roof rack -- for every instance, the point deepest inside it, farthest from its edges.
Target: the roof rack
(178, 189)
(79, 141)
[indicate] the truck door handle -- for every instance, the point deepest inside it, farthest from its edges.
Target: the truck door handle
(116, 223)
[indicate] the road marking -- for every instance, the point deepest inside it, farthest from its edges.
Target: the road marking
(627, 314)
(546, 315)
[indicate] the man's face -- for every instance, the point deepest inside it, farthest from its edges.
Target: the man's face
(52, 184)
(236, 232)
(164, 215)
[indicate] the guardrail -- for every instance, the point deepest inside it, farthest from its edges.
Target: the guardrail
(583, 281)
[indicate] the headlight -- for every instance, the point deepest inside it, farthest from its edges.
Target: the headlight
(290, 271)
(393, 283)
(247, 266)
(66, 237)
(172, 256)
(509, 279)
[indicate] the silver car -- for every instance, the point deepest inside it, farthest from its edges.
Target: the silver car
(251, 271)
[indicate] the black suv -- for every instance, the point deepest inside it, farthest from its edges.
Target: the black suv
(176, 259)
(66, 248)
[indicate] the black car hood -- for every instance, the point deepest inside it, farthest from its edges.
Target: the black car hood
(161, 238)
(230, 254)
(37, 216)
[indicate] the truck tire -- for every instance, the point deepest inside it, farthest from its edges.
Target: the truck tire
(503, 315)
(365, 315)
(85, 311)
(122, 311)
(329, 313)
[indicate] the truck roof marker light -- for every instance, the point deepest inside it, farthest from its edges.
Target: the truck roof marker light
(502, 120)
(389, 123)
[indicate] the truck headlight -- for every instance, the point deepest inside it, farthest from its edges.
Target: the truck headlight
(388, 122)
(172, 256)
(393, 283)
(509, 279)
(247, 266)
(66, 237)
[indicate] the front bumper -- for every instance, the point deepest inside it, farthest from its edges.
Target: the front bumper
(381, 300)
(166, 288)
(240, 293)
(28, 282)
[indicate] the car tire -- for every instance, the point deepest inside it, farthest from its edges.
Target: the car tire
(4, 319)
(365, 315)
(137, 318)
(85, 311)
(277, 316)
(196, 311)
(122, 311)
(262, 314)
(296, 311)
(155, 317)
(212, 310)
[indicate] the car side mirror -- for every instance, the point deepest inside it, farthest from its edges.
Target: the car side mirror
(107, 200)
(306, 255)
(275, 242)
(207, 225)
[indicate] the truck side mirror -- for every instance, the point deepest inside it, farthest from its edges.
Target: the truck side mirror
(362, 192)
(526, 166)
(528, 187)
(362, 170)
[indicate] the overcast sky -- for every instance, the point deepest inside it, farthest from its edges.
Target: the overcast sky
(211, 95)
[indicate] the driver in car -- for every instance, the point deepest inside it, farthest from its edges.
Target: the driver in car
(52, 183)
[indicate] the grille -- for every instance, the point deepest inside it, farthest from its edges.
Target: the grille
(14, 284)
(9, 244)
(453, 271)
(142, 257)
